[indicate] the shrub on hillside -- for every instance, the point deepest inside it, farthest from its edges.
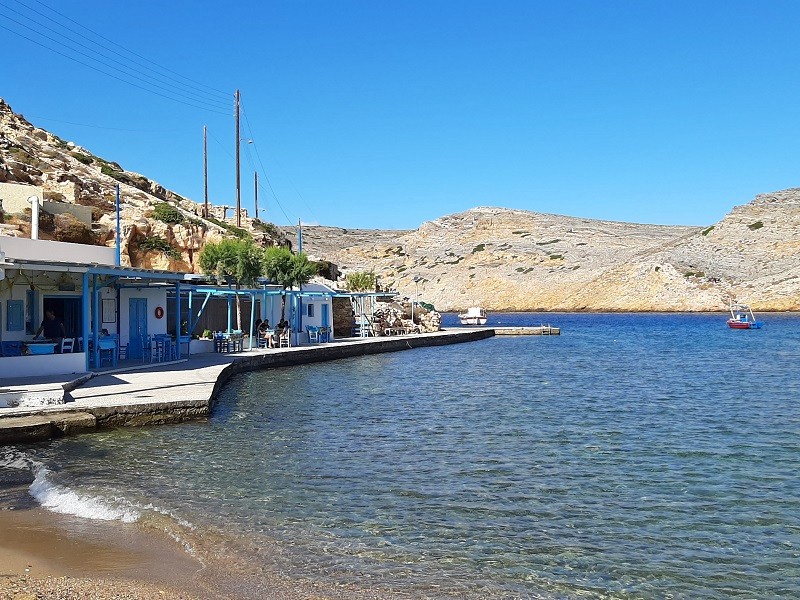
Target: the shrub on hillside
(167, 213)
(159, 244)
(82, 158)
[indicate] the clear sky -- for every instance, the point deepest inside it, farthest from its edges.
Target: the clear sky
(387, 114)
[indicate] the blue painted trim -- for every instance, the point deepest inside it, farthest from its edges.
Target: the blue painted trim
(178, 319)
(85, 332)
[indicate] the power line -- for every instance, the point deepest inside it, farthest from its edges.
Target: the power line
(263, 169)
(144, 58)
(80, 62)
(173, 92)
(221, 145)
(289, 221)
(212, 97)
(37, 117)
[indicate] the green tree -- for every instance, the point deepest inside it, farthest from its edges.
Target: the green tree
(287, 270)
(233, 261)
(360, 282)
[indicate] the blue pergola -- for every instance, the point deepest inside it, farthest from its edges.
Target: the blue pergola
(97, 277)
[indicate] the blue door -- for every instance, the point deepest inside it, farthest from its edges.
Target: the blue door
(324, 314)
(137, 318)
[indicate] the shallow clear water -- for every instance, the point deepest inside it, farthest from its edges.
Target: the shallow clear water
(633, 456)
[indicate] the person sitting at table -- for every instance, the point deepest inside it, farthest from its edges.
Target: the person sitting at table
(53, 329)
(265, 334)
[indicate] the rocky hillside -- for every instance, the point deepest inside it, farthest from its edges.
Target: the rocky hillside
(497, 258)
(505, 259)
(160, 229)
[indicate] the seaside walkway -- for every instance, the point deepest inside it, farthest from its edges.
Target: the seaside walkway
(178, 391)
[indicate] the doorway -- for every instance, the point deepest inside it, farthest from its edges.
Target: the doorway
(68, 310)
(137, 333)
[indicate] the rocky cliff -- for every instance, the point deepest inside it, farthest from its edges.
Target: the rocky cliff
(71, 174)
(505, 259)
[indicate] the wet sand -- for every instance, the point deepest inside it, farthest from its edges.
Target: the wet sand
(47, 555)
(50, 556)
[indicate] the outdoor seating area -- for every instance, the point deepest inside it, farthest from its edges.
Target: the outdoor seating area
(227, 342)
(318, 335)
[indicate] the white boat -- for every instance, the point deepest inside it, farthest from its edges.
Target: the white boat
(474, 316)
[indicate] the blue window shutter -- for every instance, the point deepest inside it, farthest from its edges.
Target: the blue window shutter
(15, 315)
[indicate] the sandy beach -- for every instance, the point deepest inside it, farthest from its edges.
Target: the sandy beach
(47, 555)
(50, 556)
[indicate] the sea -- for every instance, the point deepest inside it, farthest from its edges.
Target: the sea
(633, 456)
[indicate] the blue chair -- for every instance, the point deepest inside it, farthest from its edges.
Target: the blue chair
(313, 334)
(324, 334)
(108, 350)
(12, 348)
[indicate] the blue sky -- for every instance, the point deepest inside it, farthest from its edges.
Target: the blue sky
(379, 114)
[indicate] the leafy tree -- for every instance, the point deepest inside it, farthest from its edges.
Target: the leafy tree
(360, 281)
(233, 261)
(287, 270)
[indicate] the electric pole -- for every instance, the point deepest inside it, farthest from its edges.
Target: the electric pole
(238, 172)
(255, 187)
(205, 172)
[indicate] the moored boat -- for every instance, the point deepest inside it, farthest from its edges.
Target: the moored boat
(742, 317)
(474, 316)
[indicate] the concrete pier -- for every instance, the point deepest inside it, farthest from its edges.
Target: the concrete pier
(184, 390)
(536, 330)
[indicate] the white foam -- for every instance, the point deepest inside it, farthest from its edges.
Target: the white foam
(63, 500)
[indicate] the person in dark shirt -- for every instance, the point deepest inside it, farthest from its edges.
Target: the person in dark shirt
(53, 328)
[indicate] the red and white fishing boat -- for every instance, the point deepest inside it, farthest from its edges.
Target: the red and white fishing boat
(742, 317)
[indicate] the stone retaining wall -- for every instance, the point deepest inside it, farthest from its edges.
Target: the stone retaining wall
(72, 419)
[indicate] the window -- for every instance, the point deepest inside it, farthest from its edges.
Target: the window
(310, 310)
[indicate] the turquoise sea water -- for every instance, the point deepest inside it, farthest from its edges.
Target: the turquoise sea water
(641, 456)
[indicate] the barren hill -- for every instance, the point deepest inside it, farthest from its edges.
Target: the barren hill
(498, 258)
(505, 259)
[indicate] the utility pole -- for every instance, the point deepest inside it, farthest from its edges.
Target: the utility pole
(255, 187)
(299, 236)
(205, 171)
(238, 171)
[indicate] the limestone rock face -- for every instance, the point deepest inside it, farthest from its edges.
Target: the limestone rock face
(72, 174)
(508, 260)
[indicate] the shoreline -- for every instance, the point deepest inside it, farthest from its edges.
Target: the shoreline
(44, 554)
(57, 556)
(51, 556)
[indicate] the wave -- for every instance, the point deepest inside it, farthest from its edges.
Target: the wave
(62, 499)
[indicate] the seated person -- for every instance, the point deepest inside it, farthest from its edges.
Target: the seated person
(264, 333)
(53, 329)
